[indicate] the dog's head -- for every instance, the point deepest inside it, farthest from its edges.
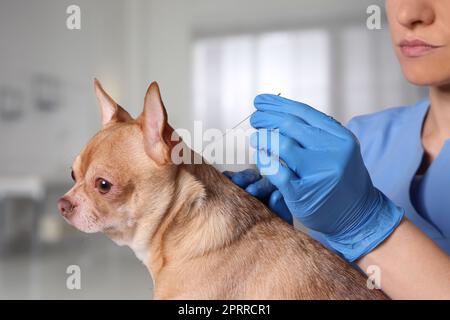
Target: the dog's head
(125, 172)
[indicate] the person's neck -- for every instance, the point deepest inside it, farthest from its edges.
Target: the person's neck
(437, 122)
(436, 127)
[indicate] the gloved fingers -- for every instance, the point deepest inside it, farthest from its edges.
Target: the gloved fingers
(307, 136)
(229, 174)
(276, 204)
(287, 149)
(243, 178)
(261, 189)
(278, 174)
(270, 102)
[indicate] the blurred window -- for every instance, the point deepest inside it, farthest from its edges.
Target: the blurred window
(230, 71)
(343, 71)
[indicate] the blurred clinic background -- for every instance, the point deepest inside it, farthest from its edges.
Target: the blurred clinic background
(210, 58)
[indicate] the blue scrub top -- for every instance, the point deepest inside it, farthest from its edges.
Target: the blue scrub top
(391, 146)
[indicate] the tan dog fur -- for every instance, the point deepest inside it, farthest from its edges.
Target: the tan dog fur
(199, 235)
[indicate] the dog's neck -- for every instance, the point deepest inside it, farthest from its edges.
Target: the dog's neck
(207, 213)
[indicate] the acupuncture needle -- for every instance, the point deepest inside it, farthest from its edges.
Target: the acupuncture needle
(237, 125)
(242, 121)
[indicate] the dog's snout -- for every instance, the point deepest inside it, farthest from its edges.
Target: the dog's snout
(66, 206)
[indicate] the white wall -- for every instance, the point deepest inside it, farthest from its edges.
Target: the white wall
(34, 40)
(127, 44)
(169, 28)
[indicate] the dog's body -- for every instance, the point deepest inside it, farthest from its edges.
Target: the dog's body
(200, 236)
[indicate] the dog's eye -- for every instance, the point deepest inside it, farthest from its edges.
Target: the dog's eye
(102, 185)
(72, 174)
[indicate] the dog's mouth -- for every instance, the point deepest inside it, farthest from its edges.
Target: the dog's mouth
(68, 215)
(69, 218)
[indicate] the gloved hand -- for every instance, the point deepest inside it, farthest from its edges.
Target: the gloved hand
(260, 187)
(322, 176)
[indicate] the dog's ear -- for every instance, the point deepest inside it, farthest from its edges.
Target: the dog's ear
(157, 132)
(110, 110)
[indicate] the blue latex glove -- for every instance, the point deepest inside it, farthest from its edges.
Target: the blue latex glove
(322, 177)
(260, 187)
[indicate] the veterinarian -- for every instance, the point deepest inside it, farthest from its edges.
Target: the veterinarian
(384, 201)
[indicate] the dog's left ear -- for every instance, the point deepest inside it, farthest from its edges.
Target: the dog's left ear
(110, 110)
(157, 132)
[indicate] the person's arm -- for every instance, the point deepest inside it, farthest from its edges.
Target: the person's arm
(412, 266)
(324, 183)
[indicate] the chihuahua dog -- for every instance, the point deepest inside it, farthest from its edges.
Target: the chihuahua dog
(199, 235)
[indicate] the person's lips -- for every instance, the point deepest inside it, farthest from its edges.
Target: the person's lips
(416, 48)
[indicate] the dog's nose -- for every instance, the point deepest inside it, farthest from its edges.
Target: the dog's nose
(66, 207)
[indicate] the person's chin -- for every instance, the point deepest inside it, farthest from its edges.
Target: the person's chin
(425, 74)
